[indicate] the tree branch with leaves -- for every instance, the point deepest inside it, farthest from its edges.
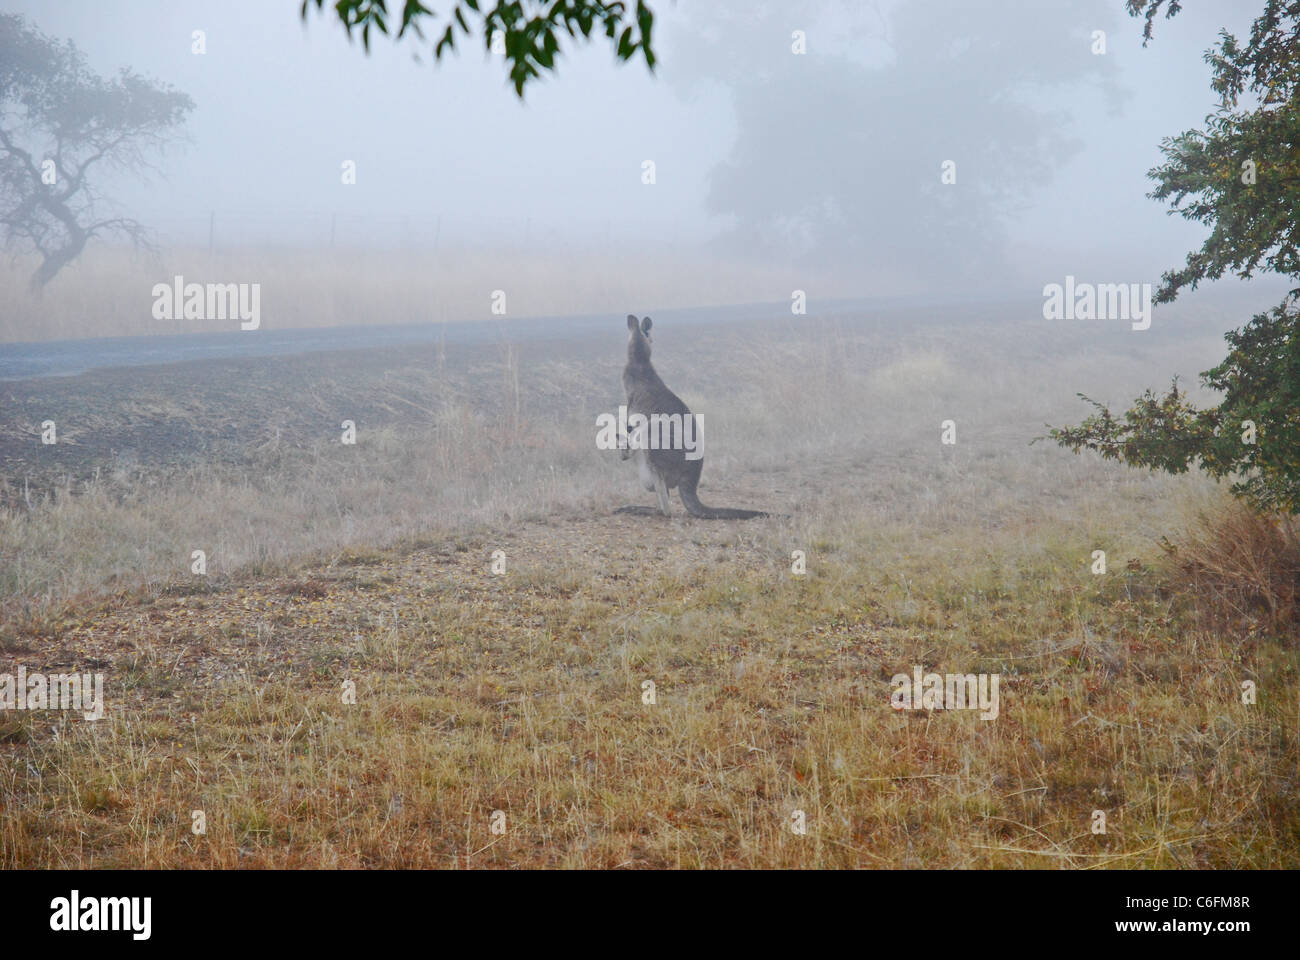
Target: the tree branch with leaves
(1241, 177)
(530, 30)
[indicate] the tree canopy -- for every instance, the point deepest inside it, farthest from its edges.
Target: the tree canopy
(830, 165)
(1240, 175)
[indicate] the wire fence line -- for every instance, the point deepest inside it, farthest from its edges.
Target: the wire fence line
(218, 230)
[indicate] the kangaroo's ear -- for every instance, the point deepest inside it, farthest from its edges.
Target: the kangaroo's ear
(645, 325)
(631, 322)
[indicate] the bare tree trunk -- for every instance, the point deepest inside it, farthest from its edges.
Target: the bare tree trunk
(55, 261)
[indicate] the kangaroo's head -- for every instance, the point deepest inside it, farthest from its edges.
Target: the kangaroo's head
(638, 340)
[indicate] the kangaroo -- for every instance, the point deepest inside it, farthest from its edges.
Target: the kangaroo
(663, 469)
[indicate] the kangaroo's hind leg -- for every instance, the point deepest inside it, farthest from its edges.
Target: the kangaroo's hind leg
(661, 490)
(644, 473)
(651, 481)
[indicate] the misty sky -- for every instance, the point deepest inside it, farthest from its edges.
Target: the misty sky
(833, 156)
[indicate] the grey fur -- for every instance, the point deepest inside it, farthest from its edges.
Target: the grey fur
(663, 469)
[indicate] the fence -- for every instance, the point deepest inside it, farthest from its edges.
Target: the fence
(219, 230)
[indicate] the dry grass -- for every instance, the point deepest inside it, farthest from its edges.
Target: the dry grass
(108, 291)
(1237, 567)
(522, 693)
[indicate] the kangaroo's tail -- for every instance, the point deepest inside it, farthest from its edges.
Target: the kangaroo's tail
(697, 509)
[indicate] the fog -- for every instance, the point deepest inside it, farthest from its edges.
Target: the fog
(321, 479)
(829, 160)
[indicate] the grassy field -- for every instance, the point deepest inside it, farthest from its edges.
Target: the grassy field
(517, 699)
(108, 292)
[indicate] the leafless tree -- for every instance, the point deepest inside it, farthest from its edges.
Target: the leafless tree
(60, 125)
